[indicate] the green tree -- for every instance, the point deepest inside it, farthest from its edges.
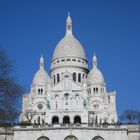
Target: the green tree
(130, 116)
(10, 90)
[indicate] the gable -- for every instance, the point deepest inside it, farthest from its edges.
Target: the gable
(67, 84)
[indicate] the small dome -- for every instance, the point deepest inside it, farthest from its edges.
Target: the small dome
(41, 77)
(95, 76)
(69, 45)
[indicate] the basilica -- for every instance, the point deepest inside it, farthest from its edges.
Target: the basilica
(71, 93)
(70, 102)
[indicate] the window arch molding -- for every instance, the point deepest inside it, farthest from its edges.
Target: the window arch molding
(43, 138)
(66, 119)
(55, 120)
(74, 76)
(71, 137)
(98, 138)
(58, 78)
(79, 78)
(77, 119)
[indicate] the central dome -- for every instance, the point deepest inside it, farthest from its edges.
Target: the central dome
(69, 45)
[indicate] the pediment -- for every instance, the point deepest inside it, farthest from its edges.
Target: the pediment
(67, 84)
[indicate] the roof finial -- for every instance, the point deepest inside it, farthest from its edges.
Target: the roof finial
(68, 24)
(41, 62)
(94, 60)
(68, 13)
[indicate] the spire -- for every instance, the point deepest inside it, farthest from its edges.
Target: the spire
(68, 24)
(94, 61)
(41, 62)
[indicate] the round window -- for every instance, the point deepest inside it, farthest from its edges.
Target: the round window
(40, 106)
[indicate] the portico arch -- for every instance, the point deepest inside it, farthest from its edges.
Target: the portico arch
(77, 119)
(66, 119)
(70, 137)
(98, 138)
(43, 138)
(55, 120)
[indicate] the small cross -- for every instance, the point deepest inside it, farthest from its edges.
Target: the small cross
(68, 13)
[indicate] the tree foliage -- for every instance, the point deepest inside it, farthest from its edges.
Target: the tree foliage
(10, 90)
(130, 116)
(29, 114)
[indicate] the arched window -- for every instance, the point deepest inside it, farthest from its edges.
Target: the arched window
(77, 119)
(58, 78)
(83, 76)
(74, 76)
(41, 91)
(100, 121)
(96, 90)
(38, 91)
(38, 119)
(43, 138)
(98, 138)
(79, 77)
(55, 120)
(71, 137)
(101, 90)
(66, 95)
(66, 120)
(89, 90)
(56, 105)
(54, 79)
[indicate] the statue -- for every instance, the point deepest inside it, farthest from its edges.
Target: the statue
(85, 104)
(47, 104)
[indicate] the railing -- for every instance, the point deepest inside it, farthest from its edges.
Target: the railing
(77, 125)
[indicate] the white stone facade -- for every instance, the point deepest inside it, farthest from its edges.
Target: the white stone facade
(70, 94)
(71, 132)
(65, 133)
(71, 103)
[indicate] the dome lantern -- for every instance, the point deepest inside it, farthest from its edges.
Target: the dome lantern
(41, 62)
(69, 46)
(94, 61)
(69, 24)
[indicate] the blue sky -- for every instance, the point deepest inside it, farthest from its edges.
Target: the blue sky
(110, 28)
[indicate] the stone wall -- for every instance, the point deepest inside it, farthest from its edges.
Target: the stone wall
(81, 132)
(61, 132)
(133, 132)
(6, 133)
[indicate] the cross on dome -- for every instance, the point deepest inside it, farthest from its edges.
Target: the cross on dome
(68, 13)
(69, 46)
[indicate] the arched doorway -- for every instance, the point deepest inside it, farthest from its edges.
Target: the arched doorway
(55, 120)
(77, 119)
(98, 138)
(43, 138)
(71, 137)
(66, 120)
